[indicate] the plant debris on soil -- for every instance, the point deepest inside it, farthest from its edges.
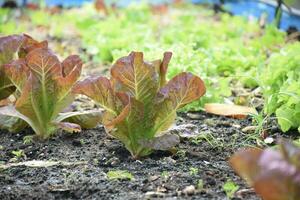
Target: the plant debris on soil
(198, 169)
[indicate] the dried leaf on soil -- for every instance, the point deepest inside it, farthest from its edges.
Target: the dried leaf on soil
(229, 110)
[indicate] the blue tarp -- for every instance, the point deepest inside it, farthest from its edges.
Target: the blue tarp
(256, 8)
(237, 7)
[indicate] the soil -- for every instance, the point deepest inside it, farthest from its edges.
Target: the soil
(163, 175)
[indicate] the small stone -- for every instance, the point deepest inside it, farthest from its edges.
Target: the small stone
(161, 189)
(189, 190)
(153, 178)
(114, 161)
(169, 160)
(269, 140)
(236, 126)
(147, 188)
(185, 130)
(194, 115)
(210, 122)
(249, 129)
(153, 194)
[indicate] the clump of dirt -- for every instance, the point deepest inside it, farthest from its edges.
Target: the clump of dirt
(198, 170)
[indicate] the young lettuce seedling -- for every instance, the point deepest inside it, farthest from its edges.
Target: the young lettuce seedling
(140, 105)
(274, 174)
(44, 88)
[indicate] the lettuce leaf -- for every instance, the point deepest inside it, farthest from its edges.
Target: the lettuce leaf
(9, 46)
(45, 87)
(274, 174)
(140, 105)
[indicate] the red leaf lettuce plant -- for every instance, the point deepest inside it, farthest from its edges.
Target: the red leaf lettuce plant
(274, 174)
(140, 105)
(43, 86)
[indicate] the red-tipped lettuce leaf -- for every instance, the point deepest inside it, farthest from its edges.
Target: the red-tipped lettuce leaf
(46, 88)
(9, 46)
(137, 108)
(99, 89)
(274, 174)
(181, 90)
(132, 75)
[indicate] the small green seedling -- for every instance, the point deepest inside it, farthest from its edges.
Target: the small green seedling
(165, 175)
(119, 175)
(193, 171)
(28, 139)
(209, 138)
(181, 153)
(18, 154)
(230, 188)
(200, 184)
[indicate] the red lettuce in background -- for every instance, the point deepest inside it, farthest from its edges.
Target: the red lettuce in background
(9, 46)
(12, 48)
(140, 105)
(274, 174)
(43, 88)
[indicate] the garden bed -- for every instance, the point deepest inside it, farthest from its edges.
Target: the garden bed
(86, 158)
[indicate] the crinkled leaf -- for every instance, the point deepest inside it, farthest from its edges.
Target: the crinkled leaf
(181, 90)
(18, 73)
(46, 88)
(13, 47)
(132, 75)
(137, 109)
(100, 90)
(30, 44)
(9, 46)
(164, 68)
(274, 174)
(245, 163)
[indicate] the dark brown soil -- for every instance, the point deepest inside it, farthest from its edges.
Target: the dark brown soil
(162, 175)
